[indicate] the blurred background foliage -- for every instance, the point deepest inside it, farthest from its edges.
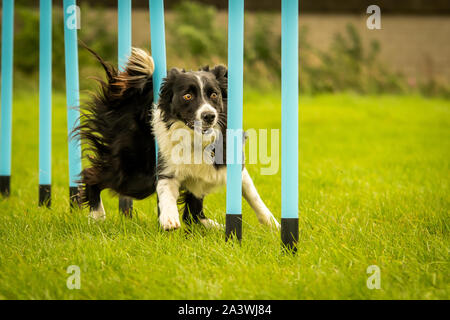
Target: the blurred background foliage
(305, 6)
(26, 45)
(201, 38)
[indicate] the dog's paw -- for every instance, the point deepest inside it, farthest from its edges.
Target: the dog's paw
(275, 223)
(211, 224)
(169, 222)
(98, 214)
(269, 220)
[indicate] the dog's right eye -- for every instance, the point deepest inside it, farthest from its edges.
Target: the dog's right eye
(187, 97)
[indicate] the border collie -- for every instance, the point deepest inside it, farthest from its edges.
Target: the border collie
(120, 125)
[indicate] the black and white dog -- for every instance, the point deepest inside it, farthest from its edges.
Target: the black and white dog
(119, 127)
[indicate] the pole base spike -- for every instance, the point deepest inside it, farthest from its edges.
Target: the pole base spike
(289, 234)
(233, 226)
(5, 185)
(45, 192)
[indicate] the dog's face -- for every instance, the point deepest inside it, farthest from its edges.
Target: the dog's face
(196, 98)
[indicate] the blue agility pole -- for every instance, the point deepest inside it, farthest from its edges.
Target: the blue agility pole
(235, 115)
(45, 102)
(289, 123)
(124, 32)
(6, 96)
(71, 19)
(124, 39)
(158, 41)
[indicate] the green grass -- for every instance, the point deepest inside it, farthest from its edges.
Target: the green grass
(374, 175)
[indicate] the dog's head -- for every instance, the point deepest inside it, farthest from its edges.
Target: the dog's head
(196, 98)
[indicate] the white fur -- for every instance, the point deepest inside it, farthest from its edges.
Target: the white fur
(206, 107)
(200, 179)
(201, 85)
(254, 200)
(99, 212)
(211, 224)
(168, 191)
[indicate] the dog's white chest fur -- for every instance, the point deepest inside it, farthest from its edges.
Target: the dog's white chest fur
(200, 179)
(203, 179)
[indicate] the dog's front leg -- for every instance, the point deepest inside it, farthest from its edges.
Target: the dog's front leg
(168, 192)
(254, 200)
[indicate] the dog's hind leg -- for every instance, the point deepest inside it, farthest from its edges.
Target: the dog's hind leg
(254, 200)
(193, 212)
(126, 206)
(96, 209)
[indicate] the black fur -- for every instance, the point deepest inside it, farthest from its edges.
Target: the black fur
(115, 130)
(193, 209)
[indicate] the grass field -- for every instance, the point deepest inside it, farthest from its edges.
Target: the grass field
(374, 175)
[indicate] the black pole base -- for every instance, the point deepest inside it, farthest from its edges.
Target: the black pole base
(5, 185)
(45, 195)
(74, 198)
(126, 206)
(289, 234)
(233, 226)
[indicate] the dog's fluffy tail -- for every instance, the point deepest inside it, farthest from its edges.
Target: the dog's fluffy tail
(137, 74)
(122, 104)
(134, 79)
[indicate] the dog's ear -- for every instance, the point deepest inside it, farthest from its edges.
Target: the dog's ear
(221, 74)
(166, 92)
(220, 71)
(174, 72)
(169, 79)
(204, 68)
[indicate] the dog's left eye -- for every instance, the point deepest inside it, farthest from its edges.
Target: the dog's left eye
(213, 95)
(187, 97)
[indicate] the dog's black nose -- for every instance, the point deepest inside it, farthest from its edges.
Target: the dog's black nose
(208, 117)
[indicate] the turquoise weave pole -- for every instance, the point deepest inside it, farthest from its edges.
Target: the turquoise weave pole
(72, 87)
(158, 40)
(6, 94)
(289, 122)
(45, 92)
(235, 116)
(124, 32)
(45, 102)
(289, 115)
(124, 51)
